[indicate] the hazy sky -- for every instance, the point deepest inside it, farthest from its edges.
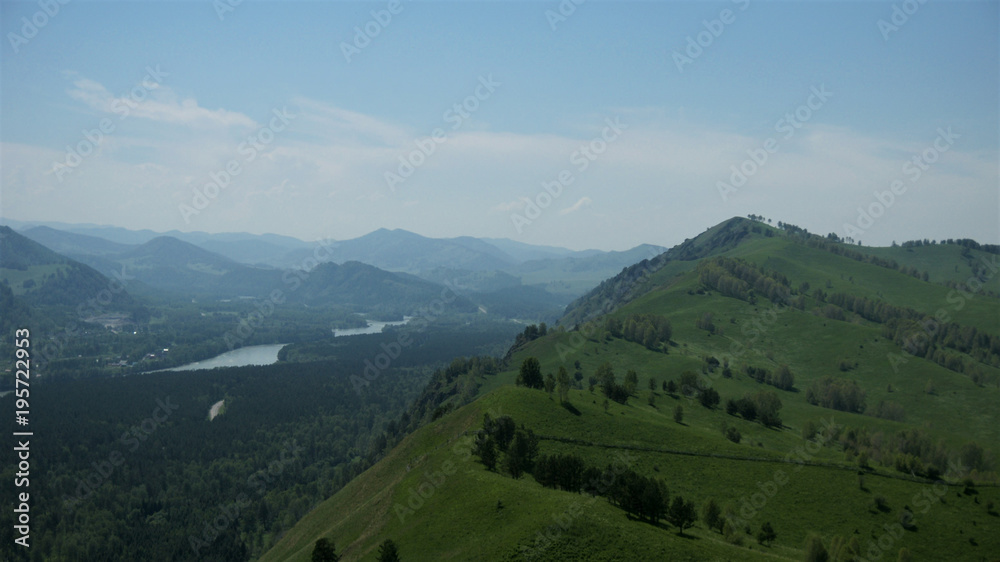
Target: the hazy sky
(642, 109)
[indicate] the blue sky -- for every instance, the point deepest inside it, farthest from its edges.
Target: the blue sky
(544, 91)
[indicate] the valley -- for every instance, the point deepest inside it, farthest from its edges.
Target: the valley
(759, 370)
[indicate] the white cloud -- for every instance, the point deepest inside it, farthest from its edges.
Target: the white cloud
(327, 171)
(154, 101)
(509, 206)
(581, 203)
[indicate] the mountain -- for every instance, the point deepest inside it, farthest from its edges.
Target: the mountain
(400, 250)
(93, 240)
(573, 275)
(38, 276)
(72, 244)
(482, 264)
(369, 288)
(528, 252)
(825, 392)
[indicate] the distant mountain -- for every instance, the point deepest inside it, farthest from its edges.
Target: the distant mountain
(41, 276)
(184, 269)
(72, 243)
(94, 240)
(527, 252)
(360, 285)
(173, 265)
(574, 276)
(250, 251)
(486, 264)
(400, 250)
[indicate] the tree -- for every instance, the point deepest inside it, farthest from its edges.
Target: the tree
(521, 454)
(530, 374)
(784, 378)
(678, 414)
(562, 383)
(705, 323)
(631, 381)
(485, 448)
(324, 551)
(387, 551)
(550, 384)
(711, 515)
(689, 383)
(731, 407)
(652, 384)
(709, 398)
(815, 551)
(606, 405)
(766, 535)
(671, 387)
(682, 513)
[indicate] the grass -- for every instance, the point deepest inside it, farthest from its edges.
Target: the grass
(459, 518)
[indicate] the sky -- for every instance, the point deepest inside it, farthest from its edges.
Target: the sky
(580, 123)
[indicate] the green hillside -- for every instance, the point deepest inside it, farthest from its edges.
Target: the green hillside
(747, 306)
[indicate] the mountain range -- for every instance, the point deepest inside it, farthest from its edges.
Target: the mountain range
(753, 393)
(238, 264)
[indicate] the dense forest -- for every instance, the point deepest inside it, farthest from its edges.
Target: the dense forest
(134, 468)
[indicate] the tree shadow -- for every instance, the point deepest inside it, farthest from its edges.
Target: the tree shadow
(571, 409)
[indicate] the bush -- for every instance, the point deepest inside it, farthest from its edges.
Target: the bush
(733, 434)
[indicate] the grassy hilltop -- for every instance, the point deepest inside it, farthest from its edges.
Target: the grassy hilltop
(919, 451)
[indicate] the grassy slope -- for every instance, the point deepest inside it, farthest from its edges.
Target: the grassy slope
(460, 519)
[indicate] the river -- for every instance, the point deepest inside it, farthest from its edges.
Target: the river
(373, 327)
(267, 354)
(250, 355)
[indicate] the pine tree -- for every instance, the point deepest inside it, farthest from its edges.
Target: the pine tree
(530, 374)
(324, 551)
(711, 515)
(682, 513)
(562, 382)
(550, 384)
(766, 535)
(387, 551)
